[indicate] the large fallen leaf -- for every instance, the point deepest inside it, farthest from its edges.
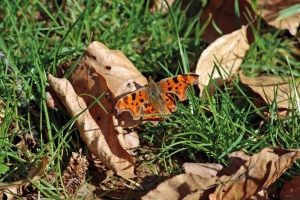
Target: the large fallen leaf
(272, 89)
(270, 9)
(291, 190)
(109, 72)
(246, 177)
(257, 173)
(229, 50)
(120, 78)
(107, 148)
(180, 186)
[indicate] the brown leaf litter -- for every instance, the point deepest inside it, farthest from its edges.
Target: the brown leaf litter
(244, 178)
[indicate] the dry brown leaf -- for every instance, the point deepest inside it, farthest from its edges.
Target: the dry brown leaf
(107, 148)
(247, 177)
(132, 140)
(161, 5)
(229, 50)
(121, 75)
(53, 101)
(269, 11)
(223, 14)
(206, 170)
(109, 72)
(180, 186)
(267, 87)
(291, 190)
(256, 174)
(120, 78)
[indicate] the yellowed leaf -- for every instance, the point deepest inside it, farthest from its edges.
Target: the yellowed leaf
(255, 174)
(108, 147)
(229, 50)
(270, 9)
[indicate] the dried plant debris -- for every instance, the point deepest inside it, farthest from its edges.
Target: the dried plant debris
(75, 173)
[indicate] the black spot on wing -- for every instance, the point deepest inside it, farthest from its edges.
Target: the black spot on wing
(133, 96)
(175, 79)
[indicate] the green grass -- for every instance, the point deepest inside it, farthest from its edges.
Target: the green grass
(37, 36)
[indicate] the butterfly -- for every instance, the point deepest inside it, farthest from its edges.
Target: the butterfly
(156, 101)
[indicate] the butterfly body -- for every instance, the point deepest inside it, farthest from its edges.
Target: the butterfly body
(154, 94)
(156, 100)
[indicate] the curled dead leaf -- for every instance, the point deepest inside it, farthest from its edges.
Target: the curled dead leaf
(229, 50)
(111, 72)
(272, 89)
(107, 148)
(246, 177)
(257, 173)
(270, 9)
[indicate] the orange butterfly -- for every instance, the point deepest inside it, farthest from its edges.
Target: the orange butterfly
(156, 98)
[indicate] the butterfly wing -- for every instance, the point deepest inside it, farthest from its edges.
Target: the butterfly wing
(148, 112)
(138, 105)
(178, 84)
(170, 102)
